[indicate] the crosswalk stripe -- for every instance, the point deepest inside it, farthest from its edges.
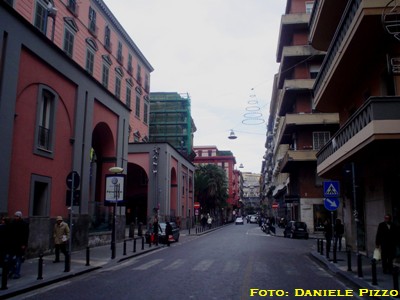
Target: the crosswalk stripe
(203, 265)
(231, 266)
(148, 265)
(175, 265)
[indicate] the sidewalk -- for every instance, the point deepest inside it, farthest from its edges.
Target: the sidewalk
(360, 279)
(99, 257)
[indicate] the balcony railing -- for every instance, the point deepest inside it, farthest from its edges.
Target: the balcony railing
(376, 108)
(336, 43)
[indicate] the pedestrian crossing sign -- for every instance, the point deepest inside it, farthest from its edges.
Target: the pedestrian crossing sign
(331, 189)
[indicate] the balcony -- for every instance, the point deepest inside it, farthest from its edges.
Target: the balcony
(290, 91)
(302, 119)
(377, 120)
(293, 55)
(324, 19)
(292, 157)
(290, 23)
(352, 45)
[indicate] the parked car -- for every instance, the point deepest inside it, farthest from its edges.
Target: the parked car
(239, 221)
(296, 229)
(162, 238)
(253, 219)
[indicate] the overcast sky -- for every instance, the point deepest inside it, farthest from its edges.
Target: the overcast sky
(222, 53)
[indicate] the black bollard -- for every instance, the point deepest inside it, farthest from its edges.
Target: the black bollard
(67, 266)
(359, 265)
(142, 243)
(124, 248)
(334, 255)
(134, 245)
(87, 256)
(318, 248)
(396, 280)
(349, 260)
(40, 267)
(4, 274)
(374, 276)
(322, 246)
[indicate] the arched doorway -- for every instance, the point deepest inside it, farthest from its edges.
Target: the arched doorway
(102, 157)
(137, 194)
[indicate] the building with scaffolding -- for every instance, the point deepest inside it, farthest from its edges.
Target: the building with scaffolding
(171, 121)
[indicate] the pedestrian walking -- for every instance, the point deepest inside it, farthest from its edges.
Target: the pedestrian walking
(18, 235)
(338, 234)
(168, 233)
(209, 222)
(156, 229)
(61, 237)
(386, 240)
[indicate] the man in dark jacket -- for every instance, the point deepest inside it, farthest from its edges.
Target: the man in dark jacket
(386, 238)
(19, 234)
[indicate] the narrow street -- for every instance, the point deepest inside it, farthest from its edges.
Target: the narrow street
(234, 262)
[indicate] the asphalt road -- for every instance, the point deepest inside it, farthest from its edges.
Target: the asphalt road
(235, 262)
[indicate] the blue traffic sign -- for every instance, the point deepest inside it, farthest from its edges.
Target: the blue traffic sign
(331, 189)
(331, 204)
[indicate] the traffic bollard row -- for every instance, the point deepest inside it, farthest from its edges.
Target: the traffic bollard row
(349, 260)
(87, 256)
(396, 279)
(40, 267)
(374, 275)
(359, 265)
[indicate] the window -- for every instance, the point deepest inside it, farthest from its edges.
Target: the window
(40, 191)
(129, 66)
(105, 75)
(92, 21)
(120, 59)
(118, 81)
(137, 106)
(147, 83)
(138, 75)
(45, 123)
(73, 7)
(89, 61)
(90, 54)
(128, 95)
(70, 30)
(106, 70)
(107, 38)
(320, 138)
(146, 112)
(118, 87)
(309, 6)
(41, 15)
(314, 69)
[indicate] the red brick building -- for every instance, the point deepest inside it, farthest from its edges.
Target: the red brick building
(225, 160)
(74, 97)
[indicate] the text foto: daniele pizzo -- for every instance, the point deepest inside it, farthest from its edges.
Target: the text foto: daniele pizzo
(324, 293)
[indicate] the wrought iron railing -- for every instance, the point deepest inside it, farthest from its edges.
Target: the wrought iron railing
(376, 108)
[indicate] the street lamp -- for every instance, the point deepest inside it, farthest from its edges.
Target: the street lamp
(117, 190)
